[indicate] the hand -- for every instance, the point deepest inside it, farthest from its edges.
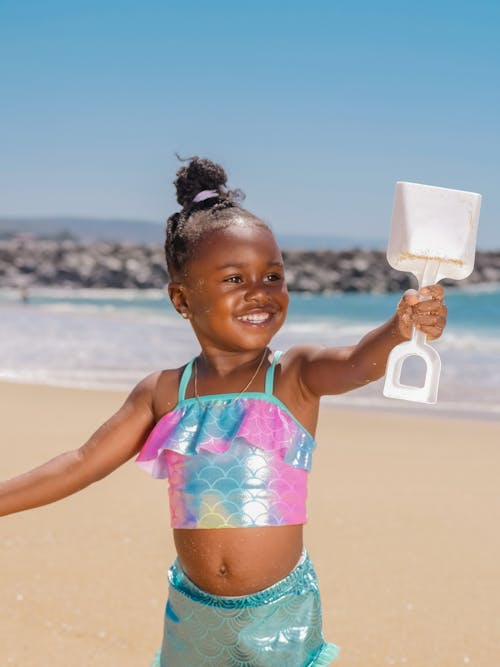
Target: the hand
(428, 315)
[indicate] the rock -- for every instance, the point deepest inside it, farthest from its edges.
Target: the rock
(72, 263)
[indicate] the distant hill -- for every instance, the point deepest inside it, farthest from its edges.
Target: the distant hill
(137, 231)
(85, 229)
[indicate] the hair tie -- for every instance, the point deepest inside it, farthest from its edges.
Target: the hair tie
(205, 194)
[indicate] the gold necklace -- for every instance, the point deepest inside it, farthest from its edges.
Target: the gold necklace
(244, 388)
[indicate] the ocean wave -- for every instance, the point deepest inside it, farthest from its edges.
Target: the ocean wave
(479, 288)
(124, 380)
(336, 326)
(99, 294)
(94, 379)
(110, 310)
(109, 339)
(337, 331)
(484, 342)
(452, 408)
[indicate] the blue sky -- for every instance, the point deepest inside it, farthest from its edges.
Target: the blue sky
(315, 108)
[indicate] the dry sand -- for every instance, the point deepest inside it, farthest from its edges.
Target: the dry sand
(404, 531)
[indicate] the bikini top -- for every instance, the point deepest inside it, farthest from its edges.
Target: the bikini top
(231, 460)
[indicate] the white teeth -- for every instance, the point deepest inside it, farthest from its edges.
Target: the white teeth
(255, 318)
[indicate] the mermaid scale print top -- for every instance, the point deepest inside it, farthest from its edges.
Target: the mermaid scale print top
(231, 461)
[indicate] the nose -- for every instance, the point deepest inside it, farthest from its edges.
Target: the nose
(257, 291)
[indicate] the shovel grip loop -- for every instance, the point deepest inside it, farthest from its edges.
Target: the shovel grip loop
(416, 346)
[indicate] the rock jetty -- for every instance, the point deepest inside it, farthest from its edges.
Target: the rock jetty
(27, 262)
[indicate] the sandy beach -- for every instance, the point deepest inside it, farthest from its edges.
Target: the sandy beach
(403, 529)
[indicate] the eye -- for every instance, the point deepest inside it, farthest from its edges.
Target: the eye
(233, 279)
(273, 277)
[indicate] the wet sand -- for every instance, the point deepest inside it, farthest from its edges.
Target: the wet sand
(404, 513)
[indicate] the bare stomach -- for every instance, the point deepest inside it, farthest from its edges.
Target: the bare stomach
(238, 561)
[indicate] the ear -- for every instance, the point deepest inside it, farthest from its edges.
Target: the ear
(178, 299)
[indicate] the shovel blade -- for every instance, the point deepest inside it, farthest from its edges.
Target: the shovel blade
(435, 224)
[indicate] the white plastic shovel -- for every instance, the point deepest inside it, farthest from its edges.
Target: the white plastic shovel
(433, 236)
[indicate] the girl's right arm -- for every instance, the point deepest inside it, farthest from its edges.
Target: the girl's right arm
(116, 441)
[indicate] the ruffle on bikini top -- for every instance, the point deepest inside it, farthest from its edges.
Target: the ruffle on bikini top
(213, 423)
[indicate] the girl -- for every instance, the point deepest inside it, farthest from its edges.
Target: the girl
(233, 430)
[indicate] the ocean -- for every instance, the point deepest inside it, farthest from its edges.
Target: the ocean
(112, 338)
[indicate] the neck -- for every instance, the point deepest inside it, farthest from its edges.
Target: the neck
(224, 363)
(241, 369)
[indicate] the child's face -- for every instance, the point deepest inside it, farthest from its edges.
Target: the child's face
(234, 290)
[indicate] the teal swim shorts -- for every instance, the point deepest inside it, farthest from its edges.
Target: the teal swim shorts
(280, 625)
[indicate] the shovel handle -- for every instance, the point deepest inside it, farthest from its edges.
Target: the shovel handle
(416, 346)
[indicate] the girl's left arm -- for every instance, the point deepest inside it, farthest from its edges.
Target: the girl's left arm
(338, 370)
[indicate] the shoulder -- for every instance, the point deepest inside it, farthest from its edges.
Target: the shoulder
(288, 379)
(291, 363)
(316, 370)
(297, 358)
(157, 391)
(161, 389)
(290, 389)
(305, 354)
(297, 354)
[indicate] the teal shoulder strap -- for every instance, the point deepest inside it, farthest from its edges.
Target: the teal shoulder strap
(185, 377)
(269, 387)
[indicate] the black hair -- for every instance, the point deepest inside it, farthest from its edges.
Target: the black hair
(186, 228)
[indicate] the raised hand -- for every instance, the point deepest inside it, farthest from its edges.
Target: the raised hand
(427, 314)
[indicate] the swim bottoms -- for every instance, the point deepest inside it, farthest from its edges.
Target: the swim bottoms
(280, 625)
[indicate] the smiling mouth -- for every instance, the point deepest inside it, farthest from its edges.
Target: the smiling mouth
(255, 318)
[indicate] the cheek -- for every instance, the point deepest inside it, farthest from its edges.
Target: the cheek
(208, 304)
(285, 297)
(198, 288)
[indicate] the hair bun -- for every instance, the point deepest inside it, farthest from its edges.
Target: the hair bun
(200, 174)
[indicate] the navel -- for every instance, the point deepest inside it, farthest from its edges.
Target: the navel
(223, 570)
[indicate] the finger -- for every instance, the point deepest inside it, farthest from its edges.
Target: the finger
(430, 320)
(406, 319)
(431, 325)
(430, 306)
(435, 291)
(410, 297)
(433, 333)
